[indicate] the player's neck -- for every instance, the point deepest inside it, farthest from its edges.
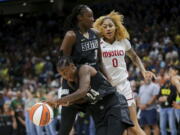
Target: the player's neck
(111, 41)
(82, 29)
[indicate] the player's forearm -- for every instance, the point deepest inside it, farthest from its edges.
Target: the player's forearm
(137, 61)
(79, 101)
(72, 97)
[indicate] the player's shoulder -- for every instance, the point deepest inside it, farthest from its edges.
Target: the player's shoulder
(86, 68)
(70, 34)
(125, 41)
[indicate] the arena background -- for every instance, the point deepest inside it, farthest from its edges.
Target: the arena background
(31, 32)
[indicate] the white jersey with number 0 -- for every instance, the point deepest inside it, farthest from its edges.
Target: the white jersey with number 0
(113, 58)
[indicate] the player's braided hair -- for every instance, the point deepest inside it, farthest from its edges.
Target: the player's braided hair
(71, 20)
(64, 61)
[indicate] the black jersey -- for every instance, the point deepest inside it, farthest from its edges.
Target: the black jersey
(85, 50)
(98, 84)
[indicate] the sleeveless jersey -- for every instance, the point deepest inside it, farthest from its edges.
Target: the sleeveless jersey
(113, 59)
(85, 50)
(98, 83)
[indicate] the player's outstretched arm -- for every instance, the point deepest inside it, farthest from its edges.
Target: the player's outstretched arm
(85, 73)
(137, 61)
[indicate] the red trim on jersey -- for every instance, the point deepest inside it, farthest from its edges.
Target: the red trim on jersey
(130, 99)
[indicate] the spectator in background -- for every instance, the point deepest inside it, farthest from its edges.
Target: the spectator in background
(175, 77)
(167, 96)
(17, 101)
(50, 129)
(175, 80)
(8, 124)
(82, 124)
(20, 119)
(133, 84)
(146, 102)
(1, 99)
(29, 102)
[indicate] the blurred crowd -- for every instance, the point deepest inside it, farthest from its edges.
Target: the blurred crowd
(29, 48)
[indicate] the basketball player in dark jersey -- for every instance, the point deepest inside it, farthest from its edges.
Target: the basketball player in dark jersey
(82, 43)
(108, 108)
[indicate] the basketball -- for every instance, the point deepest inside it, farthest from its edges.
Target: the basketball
(41, 114)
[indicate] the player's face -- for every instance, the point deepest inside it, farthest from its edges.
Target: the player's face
(87, 18)
(108, 29)
(68, 72)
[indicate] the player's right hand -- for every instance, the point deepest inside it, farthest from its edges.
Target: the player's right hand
(53, 104)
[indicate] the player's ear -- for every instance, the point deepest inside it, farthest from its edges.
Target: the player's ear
(79, 17)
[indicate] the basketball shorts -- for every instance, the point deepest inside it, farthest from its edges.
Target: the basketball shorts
(111, 115)
(124, 88)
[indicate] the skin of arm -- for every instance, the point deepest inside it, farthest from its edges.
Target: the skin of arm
(85, 74)
(22, 121)
(68, 42)
(137, 61)
(14, 120)
(162, 99)
(176, 81)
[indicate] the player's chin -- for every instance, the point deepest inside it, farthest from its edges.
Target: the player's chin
(109, 37)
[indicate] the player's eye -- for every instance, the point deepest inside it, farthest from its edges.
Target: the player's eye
(104, 26)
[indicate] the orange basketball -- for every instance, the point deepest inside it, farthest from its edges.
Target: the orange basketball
(41, 114)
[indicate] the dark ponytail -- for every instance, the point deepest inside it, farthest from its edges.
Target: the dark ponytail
(71, 20)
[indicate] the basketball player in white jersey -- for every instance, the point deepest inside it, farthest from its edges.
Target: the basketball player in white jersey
(114, 46)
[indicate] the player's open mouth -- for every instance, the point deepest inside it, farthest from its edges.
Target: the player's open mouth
(109, 33)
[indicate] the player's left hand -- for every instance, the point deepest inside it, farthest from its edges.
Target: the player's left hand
(149, 74)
